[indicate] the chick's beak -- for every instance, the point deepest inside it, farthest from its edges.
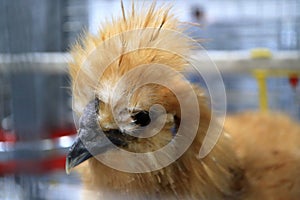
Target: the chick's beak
(78, 153)
(90, 140)
(89, 143)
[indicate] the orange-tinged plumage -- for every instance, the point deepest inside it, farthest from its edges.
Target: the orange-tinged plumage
(234, 169)
(267, 145)
(139, 37)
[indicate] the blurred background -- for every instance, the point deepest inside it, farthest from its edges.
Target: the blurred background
(255, 44)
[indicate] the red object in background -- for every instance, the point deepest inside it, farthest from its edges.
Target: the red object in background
(56, 162)
(6, 136)
(56, 133)
(36, 166)
(294, 80)
(10, 136)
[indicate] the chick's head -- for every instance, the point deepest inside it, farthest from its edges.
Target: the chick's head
(127, 82)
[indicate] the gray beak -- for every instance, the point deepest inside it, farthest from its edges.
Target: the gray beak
(90, 140)
(77, 154)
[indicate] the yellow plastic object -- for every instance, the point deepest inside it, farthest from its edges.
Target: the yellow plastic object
(261, 75)
(260, 53)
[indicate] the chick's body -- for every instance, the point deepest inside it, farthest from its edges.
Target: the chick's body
(130, 47)
(268, 147)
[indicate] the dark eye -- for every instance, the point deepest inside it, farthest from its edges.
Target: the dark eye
(141, 118)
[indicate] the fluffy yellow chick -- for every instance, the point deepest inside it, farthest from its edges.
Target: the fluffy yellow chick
(119, 77)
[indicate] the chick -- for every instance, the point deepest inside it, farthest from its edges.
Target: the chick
(127, 78)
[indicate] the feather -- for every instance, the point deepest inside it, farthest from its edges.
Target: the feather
(256, 158)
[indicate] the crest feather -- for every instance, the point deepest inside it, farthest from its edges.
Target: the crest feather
(142, 36)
